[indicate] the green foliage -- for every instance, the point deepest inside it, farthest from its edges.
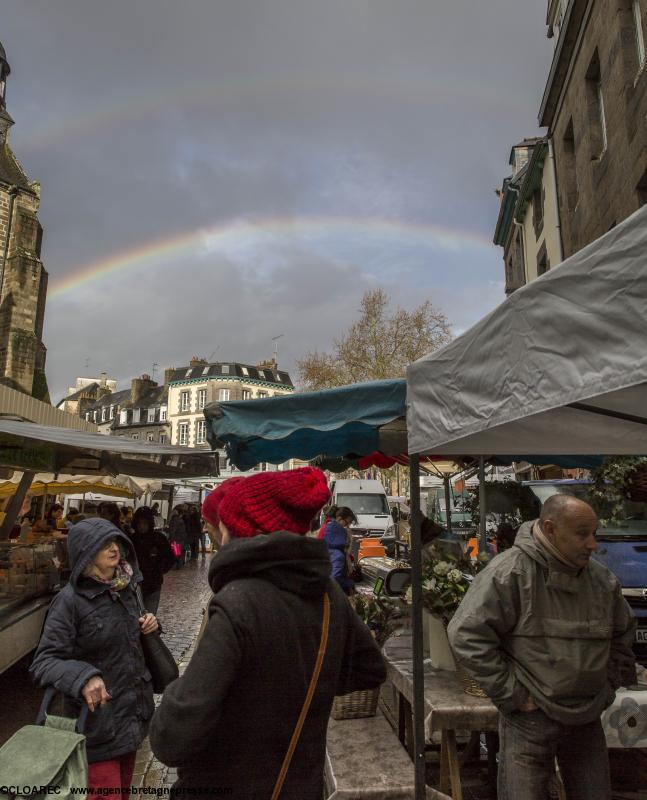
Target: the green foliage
(513, 502)
(378, 613)
(611, 485)
(445, 580)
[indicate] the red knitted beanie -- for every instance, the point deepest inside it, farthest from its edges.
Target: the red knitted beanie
(213, 499)
(274, 501)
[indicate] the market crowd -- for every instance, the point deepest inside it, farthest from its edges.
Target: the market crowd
(543, 628)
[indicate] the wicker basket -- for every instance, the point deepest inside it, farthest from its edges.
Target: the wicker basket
(637, 485)
(355, 704)
(470, 686)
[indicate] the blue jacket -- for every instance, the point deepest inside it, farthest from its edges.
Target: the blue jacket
(92, 630)
(336, 538)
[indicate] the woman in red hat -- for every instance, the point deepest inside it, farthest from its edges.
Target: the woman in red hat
(281, 640)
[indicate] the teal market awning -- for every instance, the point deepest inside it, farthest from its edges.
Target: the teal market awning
(339, 427)
(341, 422)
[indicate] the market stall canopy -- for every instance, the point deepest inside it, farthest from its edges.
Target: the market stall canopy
(48, 483)
(341, 422)
(27, 446)
(559, 367)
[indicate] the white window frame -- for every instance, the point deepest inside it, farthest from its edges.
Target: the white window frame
(112, 412)
(135, 436)
(225, 369)
(224, 395)
(185, 400)
(94, 414)
(640, 36)
(87, 416)
(201, 431)
(202, 399)
(104, 412)
(205, 370)
(123, 417)
(247, 394)
(150, 437)
(151, 417)
(136, 416)
(162, 438)
(244, 370)
(163, 413)
(183, 434)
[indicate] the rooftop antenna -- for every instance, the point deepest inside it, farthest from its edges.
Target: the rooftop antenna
(275, 339)
(213, 354)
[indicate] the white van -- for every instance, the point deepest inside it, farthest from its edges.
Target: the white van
(367, 499)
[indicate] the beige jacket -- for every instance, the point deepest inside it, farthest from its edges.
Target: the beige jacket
(531, 625)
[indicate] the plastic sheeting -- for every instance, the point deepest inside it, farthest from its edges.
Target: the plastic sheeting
(559, 367)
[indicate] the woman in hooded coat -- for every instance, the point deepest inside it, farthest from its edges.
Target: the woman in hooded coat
(226, 724)
(90, 650)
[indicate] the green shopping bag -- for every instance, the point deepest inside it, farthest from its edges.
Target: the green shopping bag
(46, 759)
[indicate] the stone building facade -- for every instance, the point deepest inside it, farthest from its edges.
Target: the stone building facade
(193, 387)
(23, 279)
(595, 109)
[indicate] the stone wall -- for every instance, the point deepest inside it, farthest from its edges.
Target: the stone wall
(22, 302)
(598, 185)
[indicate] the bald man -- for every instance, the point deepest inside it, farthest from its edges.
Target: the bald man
(547, 633)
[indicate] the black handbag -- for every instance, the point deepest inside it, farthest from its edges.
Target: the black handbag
(158, 657)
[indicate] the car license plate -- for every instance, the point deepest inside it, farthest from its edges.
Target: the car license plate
(641, 635)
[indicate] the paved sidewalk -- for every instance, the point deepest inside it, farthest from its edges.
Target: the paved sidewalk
(184, 595)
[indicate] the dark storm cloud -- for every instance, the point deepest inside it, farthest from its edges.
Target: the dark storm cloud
(147, 119)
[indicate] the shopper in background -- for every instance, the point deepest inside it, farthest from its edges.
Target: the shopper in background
(193, 525)
(177, 533)
(159, 519)
(154, 556)
(90, 651)
(336, 536)
(54, 516)
(229, 719)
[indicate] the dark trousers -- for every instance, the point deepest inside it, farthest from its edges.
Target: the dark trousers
(529, 744)
(152, 601)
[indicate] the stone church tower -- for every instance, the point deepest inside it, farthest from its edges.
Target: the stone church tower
(23, 280)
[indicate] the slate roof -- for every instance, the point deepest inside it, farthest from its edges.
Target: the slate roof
(152, 398)
(114, 399)
(223, 371)
(79, 392)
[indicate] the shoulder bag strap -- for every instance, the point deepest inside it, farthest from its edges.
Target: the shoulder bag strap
(306, 705)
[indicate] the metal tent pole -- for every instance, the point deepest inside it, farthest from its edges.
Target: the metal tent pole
(482, 508)
(448, 504)
(416, 614)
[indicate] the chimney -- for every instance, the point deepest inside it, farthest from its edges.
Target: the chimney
(168, 374)
(139, 386)
(271, 364)
(196, 361)
(103, 377)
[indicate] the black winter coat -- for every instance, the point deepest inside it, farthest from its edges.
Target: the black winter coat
(91, 630)
(154, 556)
(227, 722)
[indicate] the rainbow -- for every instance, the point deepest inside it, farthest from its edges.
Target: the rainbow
(237, 233)
(421, 90)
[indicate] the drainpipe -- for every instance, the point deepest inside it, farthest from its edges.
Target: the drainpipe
(553, 175)
(12, 192)
(524, 249)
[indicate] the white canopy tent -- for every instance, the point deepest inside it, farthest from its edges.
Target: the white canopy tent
(559, 367)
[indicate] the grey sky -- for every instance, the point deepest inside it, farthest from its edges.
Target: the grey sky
(314, 150)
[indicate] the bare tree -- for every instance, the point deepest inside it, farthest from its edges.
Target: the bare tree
(379, 345)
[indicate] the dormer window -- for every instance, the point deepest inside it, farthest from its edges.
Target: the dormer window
(244, 370)
(205, 370)
(225, 369)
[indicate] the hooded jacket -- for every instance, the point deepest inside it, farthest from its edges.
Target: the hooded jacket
(531, 625)
(336, 538)
(92, 630)
(227, 722)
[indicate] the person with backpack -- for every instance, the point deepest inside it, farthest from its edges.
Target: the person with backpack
(281, 640)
